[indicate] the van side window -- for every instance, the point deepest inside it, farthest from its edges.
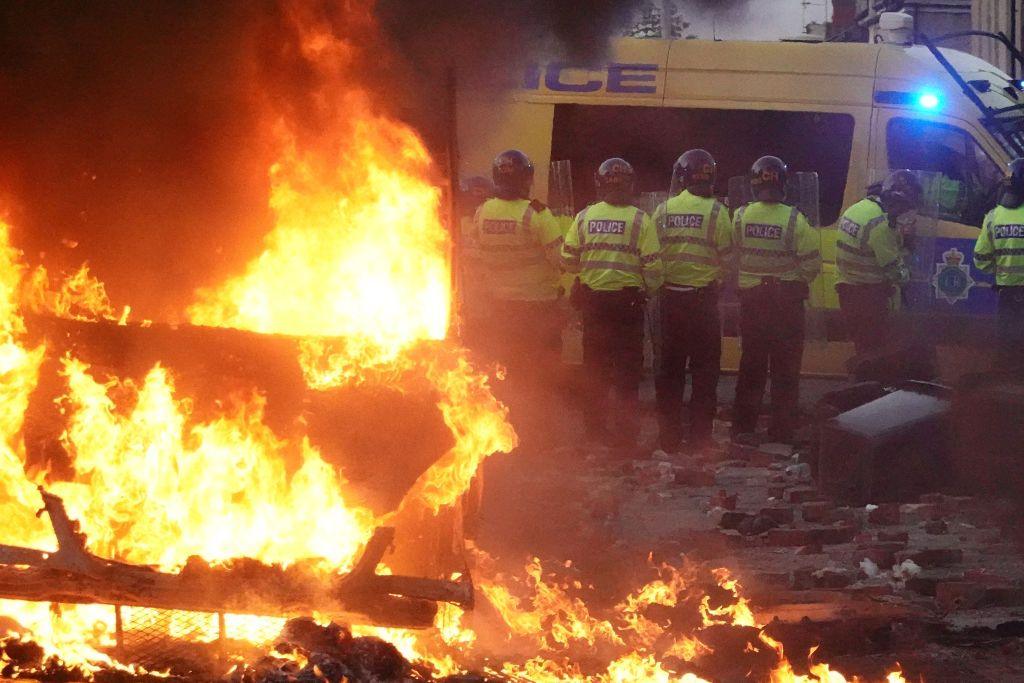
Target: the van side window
(652, 138)
(961, 178)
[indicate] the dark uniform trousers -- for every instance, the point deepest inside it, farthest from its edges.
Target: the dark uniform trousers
(1010, 326)
(691, 333)
(865, 312)
(613, 357)
(772, 331)
(524, 336)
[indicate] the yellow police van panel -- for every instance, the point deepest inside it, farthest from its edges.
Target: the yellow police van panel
(778, 74)
(850, 112)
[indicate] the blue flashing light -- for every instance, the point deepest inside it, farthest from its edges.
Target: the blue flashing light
(928, 101)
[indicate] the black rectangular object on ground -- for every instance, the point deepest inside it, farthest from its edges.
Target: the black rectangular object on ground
(891, 449)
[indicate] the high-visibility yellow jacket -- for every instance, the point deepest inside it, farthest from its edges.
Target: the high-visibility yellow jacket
(774, 240)
(868, 250)
(613, 247)
(513, 251)
(1000, 246)
(696, 239)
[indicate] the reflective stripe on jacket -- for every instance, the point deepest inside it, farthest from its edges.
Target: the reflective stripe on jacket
(696, 239)
(1000, 246)
(868, 250)
(512, 253)
(613, 247)
(774, 240)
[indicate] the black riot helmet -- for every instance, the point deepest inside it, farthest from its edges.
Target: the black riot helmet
(1013, 195)
(900, 192)
(695, 171)
(768, 179)
(615, 180)
(512, 172)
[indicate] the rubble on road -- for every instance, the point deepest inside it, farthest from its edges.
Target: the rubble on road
(940, 566)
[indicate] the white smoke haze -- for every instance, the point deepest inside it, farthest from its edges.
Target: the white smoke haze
(751, 19)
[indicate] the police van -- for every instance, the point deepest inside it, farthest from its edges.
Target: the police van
(847, 112)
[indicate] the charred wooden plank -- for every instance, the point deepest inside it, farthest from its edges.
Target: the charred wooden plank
(165, 591)
(73, 575)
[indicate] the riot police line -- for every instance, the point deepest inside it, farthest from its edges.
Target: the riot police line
(689, 250)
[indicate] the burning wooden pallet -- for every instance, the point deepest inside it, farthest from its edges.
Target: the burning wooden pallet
(74, 575)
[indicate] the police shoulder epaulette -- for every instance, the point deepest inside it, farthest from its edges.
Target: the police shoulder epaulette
(537, 205)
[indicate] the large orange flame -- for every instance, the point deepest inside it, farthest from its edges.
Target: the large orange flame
(358, 262)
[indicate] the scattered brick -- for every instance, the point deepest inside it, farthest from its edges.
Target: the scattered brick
(882, 554)
(802, 494)
(831, 578)
(844, 514)
(955, 595)
(816, 511)
(802, 579)
(732, 538)
(936, 557)
(762, 459)
(776, 492)
(917, 513)
(756, 525)
(923, 585)
(893, 536)
(936, 527)
(982, 575)
(1003, 596)
(732, 519)
(790, 537)
(694, 477)
(946, 504)
(873, 590)
(885, 514)
(833, 535)
(732, 463)
(779, 514)
(812, 549)
(723, 500)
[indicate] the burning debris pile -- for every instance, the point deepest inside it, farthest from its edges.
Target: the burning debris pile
(168, 489)
(229, 513)
(687, 625)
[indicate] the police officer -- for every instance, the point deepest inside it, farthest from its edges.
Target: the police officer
(1000, 251)
(614, 247)
(778, 258)
(870, 257)
(512, 275)
(696, 237)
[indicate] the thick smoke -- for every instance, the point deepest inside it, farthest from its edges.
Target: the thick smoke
(488, 32)
(133, 130)
(128, 129)
(749, 19)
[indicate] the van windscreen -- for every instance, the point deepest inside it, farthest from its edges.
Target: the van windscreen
(651, 138)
